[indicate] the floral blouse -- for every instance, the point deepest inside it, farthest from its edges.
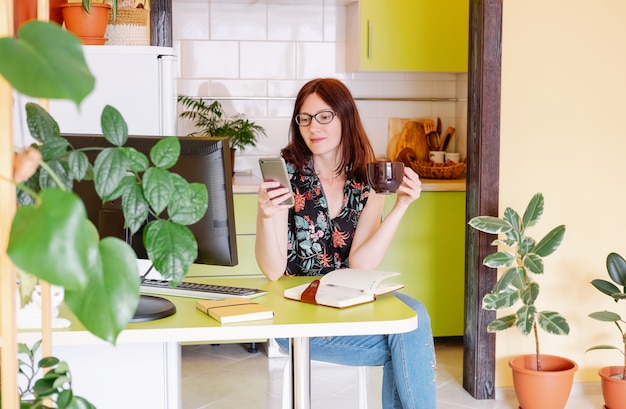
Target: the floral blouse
(317, 243)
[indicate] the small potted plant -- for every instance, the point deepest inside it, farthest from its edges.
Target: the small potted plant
(211, 120)
(613, 378)
(522, 259)
(54, 385)
(88, 19)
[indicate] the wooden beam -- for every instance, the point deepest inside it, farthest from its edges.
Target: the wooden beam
(161, 23)
(483, 151)
(43, 14)
(8, 328)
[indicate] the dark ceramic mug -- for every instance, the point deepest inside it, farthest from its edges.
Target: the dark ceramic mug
(385, 176)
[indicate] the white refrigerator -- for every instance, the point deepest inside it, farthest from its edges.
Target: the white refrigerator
(139, 81)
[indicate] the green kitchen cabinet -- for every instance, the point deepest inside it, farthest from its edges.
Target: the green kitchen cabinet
(407, 35)
(245, 227)
(428, 249)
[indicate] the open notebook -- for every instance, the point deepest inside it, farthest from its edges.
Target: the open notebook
(344, 288)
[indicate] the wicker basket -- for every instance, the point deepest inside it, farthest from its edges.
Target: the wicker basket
(131, 27)
(430, 170)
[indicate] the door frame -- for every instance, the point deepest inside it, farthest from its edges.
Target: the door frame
(483, 163)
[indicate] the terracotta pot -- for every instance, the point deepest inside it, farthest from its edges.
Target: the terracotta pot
(25, 10)
(613, 389)
(56, 14)
(89, 27)
(545, 389)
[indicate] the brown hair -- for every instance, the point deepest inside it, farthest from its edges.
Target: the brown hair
(355, 146)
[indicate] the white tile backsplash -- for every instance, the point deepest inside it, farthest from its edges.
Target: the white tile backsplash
(315, 60)
(251, 21)
(334, 27)
(256, 55)
(268, 59)
(209, 59)
(295, 23)
(280, 109)
(284, 88)
(445, 88)
(362, 88)
(227, 88)
(190, 20)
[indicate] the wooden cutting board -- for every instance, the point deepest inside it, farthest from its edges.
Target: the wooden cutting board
(407, 132)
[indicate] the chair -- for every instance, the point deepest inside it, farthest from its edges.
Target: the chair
(362, 388)
(273, 350)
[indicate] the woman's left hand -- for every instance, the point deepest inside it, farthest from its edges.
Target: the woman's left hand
(411, 187)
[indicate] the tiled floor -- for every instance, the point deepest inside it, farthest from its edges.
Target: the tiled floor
(227, 376)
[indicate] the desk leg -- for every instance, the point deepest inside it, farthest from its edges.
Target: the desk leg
(300, 373)
(173, 375)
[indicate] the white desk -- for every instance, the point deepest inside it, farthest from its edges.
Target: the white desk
(144, 369)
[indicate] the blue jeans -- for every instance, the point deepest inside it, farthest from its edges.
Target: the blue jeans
(408, 359)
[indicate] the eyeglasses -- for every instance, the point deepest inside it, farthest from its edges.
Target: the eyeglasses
(322, 117)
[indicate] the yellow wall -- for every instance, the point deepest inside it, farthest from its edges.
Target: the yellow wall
(563, 105)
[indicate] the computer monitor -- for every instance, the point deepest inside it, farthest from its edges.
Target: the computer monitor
(203, 160)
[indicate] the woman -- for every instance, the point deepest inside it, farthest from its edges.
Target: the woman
(336, 222)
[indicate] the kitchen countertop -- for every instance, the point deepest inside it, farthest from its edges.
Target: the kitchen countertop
(248, 183)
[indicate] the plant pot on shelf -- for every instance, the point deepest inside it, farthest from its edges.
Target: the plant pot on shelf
(130, 28)
(613, 387)
(25, 10)
(545, 389)
(89, 27)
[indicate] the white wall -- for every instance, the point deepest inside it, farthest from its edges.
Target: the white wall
(563, 87)
(252, 49)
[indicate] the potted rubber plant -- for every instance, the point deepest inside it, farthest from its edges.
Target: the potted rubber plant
(613, 378)
(211, 120)
(521, 259)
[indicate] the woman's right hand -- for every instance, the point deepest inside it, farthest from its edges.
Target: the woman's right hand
(270, 244)
(271, 197)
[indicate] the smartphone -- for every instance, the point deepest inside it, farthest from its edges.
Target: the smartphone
(274, 169)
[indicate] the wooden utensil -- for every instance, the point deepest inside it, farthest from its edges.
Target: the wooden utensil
(429, 126)
(433, 141)
(446, 138)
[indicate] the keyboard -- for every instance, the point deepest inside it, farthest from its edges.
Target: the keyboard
(198, 290)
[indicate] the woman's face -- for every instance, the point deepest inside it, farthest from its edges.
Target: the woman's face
(320, 138)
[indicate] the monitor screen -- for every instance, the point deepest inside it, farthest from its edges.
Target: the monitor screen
(203, 160)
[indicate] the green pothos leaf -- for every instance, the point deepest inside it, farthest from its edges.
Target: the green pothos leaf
(46, 61)
(172, 248)
(110, 298)
(53, 239)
